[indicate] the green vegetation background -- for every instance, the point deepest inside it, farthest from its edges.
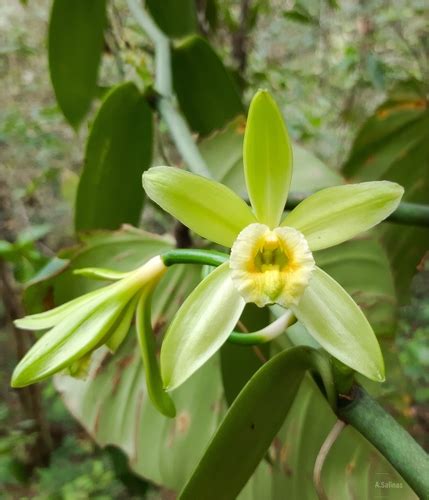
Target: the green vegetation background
(329, 68)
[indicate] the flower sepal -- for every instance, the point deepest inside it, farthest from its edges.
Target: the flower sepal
(82, 325)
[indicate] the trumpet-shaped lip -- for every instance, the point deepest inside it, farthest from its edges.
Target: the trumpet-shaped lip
(271, 266)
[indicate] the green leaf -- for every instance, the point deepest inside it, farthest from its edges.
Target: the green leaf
(223, 154)
(332, 317)
(267, 159)
(166, 451)
(122, 250)
(238, 362)
(176, 18)
(205, 206)
(301, 15)
(119, 149)
(310, 173)
(339, 213)
(200, 327)
(393, 144)
(8, 250)
(249, 427)
(351, 470)
(75, 46)
(37, 289)
(362, 268)
(32, 233)
(206, 92)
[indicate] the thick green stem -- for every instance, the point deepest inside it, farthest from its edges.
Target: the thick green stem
(194, 256)
(179, 130)
(394, 442)
(410, 214)
(266, 334)
(182, 137)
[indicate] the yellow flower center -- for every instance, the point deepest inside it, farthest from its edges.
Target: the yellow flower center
(271, 266)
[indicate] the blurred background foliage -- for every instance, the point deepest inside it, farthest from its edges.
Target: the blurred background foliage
(329, 65)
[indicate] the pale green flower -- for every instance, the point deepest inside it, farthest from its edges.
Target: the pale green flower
(78, 327)
(271, 258)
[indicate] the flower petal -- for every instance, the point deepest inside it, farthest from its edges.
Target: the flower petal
(97, 273)
(333, 318)
(207, 207)
(267, 156)
(200, 327)
(120, 329)
(339, 213)
(66, 343)
(50, 318)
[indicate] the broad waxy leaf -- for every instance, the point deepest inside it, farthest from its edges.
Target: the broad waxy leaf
(310, 173)
(239, 363)
(122, 250)
(206, 92)
(393, 144)
(267, 155)
(332, 317)
(351, 470)
(176, 18)
(119, 149)
(200, 327)
(339, 213)
(249, 427)
(75, 46)
(207, 207)
(166, 451)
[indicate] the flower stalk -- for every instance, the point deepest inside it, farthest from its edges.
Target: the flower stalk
(264, 335)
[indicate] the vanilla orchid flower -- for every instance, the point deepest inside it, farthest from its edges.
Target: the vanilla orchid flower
(78, 327)
(271, 260)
